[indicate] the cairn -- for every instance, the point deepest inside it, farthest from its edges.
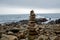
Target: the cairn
(31, 29)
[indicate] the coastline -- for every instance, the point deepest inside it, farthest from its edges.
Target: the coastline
(34, 28)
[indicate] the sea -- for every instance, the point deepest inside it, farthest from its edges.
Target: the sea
(18, 17)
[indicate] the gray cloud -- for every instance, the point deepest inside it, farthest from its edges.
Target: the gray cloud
(31, 3)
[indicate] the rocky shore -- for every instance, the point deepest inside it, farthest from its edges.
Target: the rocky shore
(31, 29)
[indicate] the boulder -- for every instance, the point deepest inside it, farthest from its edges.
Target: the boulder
(8, 37)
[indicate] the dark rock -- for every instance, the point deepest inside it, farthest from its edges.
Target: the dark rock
(57, 21)
(51, 22)
(54, 22)
(42, 20)
(23, 22)
(15, 30)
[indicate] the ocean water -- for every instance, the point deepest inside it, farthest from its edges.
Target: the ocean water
(18, 17)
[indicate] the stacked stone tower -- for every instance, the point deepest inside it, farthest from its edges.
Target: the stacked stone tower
(31, 29)
(32, 18)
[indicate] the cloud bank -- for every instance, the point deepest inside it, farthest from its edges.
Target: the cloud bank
(24, 6)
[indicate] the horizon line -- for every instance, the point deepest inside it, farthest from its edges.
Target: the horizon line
(29, 13)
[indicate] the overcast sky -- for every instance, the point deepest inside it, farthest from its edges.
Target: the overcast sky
(24, 6)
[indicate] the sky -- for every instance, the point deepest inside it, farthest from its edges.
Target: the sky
(25, 6)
